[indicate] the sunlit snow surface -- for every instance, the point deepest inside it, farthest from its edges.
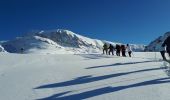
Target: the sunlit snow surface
(85, 76)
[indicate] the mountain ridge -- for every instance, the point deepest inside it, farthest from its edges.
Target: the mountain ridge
(152, 45)
(58, 41)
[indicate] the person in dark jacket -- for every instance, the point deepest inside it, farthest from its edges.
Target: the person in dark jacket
(123, 49)
(111, 49)
(160, 49)
(129, 49)
(22, 50)
(167, 44)
(117, 50)
(105, 48)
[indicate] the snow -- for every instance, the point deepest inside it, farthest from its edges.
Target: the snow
(58, 42)
(83, 76)
(2, 49)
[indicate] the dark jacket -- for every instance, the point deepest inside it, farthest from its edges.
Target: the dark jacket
(118, 47)
(123, 48)
(167, 43)
(105, 46)
(111, 47)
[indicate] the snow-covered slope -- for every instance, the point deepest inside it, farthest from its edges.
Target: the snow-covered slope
(152, 45)
(2, 49)
(82, 77)
(58, 41)
(33, 44)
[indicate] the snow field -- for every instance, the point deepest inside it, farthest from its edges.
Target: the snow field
(84, 76)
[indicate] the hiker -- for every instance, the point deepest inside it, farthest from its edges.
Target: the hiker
(123, 50)
(105, 49)
(111, 49)
(160, 49)
(22, 50)
(167, 44)
(129, 50)
(117, 50)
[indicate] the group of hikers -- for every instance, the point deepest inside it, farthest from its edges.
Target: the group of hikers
(160, 46)
(120, 49)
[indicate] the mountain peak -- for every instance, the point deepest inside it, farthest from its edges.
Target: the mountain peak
(58, 40)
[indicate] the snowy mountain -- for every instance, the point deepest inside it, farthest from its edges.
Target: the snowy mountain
(58, 41)
(152, 45)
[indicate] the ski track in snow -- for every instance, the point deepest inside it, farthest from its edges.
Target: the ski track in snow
(77, 77)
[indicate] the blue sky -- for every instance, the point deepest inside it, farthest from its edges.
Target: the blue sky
(126, 21)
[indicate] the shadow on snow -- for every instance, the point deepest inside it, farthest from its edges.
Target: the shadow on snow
(88, 79)
(119, 64)
(105, 90)
(95, 56)
(100, 91)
